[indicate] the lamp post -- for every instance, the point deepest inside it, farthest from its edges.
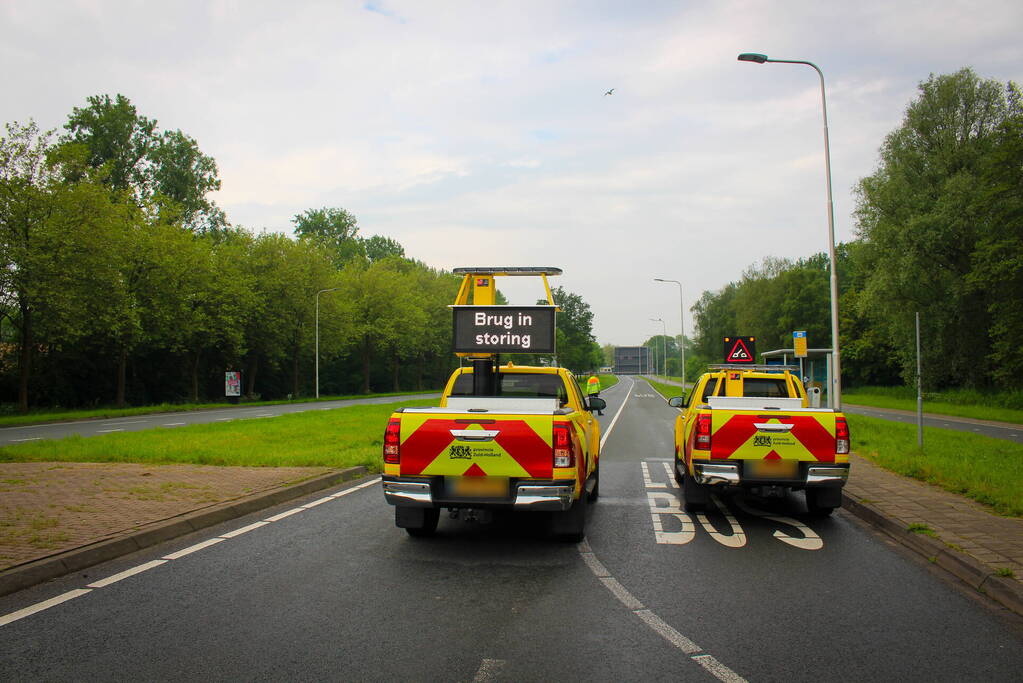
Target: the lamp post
(757, 58)
(664, 347)
(332, 289)
(682, 319)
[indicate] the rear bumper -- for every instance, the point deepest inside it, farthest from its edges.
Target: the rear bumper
(535, 495)
(811, 474)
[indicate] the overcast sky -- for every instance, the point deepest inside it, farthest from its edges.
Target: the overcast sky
(478, 133)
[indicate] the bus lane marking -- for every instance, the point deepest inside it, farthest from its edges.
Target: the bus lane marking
(674, 526)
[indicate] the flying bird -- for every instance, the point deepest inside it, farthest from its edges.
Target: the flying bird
(609, 92)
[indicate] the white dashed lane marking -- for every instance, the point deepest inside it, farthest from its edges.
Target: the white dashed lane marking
(102, 583)
(127, 573)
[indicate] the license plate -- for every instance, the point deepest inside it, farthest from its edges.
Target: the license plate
(478, 487)
(772, 469)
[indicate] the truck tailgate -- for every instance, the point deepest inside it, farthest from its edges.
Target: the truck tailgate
(463, 445)
(805, 435)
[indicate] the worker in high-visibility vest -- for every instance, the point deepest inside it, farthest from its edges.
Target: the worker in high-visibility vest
(593, 388)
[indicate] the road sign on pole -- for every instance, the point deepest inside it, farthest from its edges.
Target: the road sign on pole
(799, 343)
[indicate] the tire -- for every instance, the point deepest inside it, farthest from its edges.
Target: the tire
(696, 495)
(821, 502)
(570, 525)
(424, 528)
(678, 471)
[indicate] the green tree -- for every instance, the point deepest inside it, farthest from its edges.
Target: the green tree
(139, 161)
(574, 335)
(55, 240)
(379, 247)
(922, 225)
(334, 229)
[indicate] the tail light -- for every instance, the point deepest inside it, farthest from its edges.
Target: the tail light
(392, 443)
(841, 435)
(702, 432)
(563, 451)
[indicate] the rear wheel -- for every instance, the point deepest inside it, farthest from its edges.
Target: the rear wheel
(821, 502)
(570, 525)
(696, 495)
(678, 471)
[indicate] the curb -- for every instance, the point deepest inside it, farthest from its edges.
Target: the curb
(1007, 592)
(37, 571)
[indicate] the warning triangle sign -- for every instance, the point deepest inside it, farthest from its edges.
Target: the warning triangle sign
(740, 353)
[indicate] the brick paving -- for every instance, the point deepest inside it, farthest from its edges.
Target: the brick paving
(960, 523)
(47, 508)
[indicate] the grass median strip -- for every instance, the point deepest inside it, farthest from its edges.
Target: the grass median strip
(343, 437)
(987, 470)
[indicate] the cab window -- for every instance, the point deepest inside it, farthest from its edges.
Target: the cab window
(763, 387)
(524, 385)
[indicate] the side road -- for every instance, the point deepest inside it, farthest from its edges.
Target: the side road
(962, 537)
(134, 423)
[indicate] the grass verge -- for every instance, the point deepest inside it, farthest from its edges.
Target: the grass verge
(344, 437)
(43, 416)
(987, 470)
(903, 398)
(665, 390)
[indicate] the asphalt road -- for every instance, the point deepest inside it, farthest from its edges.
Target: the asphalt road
(59, 430)
(327, 588)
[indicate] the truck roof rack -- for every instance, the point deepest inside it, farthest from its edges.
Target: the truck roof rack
(508, 270)
(750, 366)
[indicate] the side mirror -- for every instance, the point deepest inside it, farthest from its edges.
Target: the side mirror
(595, 403)
(677, 401)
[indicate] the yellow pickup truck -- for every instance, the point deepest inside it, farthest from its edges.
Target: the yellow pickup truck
(532, 446)
(750, 427)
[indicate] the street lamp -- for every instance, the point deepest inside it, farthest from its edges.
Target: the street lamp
(332, 289)
(664, 347)
(682, 319)
(758, 58)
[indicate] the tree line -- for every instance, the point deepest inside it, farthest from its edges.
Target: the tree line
(939, 231)
(123, 282)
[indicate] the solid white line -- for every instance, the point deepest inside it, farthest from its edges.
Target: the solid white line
(620, 592)
(282, 515)
(107, 431)
(488, 671)
(717, 669)
(374, 480)
(243, 530)
(595, 566)
(617, 415)
(223, 419)
(174, 424)
(102, 583)
(667, 632)
(193, 548)
(40, 606)
(33, 438)
(321, 501)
